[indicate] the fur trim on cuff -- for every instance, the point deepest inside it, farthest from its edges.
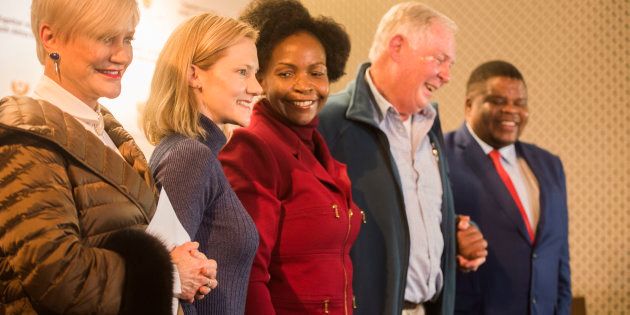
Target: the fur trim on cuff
(148, 285)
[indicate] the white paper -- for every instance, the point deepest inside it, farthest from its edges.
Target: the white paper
(165, 224)
(166, 227)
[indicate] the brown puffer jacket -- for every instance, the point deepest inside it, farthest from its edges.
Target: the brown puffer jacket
(72, 218)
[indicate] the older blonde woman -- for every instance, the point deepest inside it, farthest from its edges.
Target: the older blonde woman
(75, 191)
(205, 76)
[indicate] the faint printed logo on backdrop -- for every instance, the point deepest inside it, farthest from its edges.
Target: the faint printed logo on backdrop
(20, 67)
(19, 87)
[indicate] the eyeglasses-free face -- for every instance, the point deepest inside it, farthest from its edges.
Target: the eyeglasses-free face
(498, 112)
(91, 68)
(296, 80)
(226, 91)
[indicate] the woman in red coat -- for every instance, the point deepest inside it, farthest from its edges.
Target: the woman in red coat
(282, 171)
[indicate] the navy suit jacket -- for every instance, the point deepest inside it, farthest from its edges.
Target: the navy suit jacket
(518, 277)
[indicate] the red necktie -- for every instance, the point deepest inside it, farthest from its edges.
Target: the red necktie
(495, 156)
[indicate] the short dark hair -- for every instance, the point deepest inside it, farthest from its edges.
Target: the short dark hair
(278, 19)
(490, 69)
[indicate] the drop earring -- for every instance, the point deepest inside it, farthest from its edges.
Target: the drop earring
(55, 58)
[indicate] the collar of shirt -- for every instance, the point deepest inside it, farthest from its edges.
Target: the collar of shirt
(383, 106)
(508, 153)
(48, 90)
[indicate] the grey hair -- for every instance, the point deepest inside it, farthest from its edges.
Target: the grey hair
(407, 19)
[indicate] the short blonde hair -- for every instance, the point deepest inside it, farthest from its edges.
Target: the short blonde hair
(95, 18)
(408, 19)
(200, 41)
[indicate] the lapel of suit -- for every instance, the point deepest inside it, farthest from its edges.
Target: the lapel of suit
(482, 166)
(289, 139)
(538, 170)
(313, 165)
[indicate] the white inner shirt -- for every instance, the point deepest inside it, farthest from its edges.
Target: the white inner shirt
(51, 92)
(509, 161)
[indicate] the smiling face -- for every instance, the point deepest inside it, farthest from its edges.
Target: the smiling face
(423, 69)
(92, 68)
(296, 79)
(497, 111)
(225, 91)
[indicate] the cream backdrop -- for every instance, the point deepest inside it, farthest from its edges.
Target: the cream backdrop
(20, 69)
(575, 56)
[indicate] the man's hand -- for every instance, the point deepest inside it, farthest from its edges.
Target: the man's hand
(471, 246)
(197, 273)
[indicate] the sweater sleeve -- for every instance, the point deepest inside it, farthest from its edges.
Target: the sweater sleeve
(249, 166)
(189, 177)
(42, 241)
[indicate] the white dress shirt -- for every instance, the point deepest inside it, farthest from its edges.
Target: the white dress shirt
(48, 90)
(510, 162)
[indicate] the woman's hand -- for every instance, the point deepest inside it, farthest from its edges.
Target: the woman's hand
(210, 273)
(197, 273)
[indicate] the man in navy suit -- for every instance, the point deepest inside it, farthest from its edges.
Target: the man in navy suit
(516, 193)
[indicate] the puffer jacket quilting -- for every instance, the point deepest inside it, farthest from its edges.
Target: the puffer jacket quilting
(64, 198)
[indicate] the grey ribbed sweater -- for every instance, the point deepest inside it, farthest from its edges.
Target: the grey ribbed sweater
(210, 212)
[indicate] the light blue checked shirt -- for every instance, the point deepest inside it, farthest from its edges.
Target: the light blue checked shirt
(422, 191)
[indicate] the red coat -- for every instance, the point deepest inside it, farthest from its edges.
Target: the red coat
(305, 216)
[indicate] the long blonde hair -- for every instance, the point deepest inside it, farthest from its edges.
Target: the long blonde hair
(200, 41)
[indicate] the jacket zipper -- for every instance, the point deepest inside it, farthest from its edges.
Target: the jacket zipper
(343, 261)
(406, 239)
